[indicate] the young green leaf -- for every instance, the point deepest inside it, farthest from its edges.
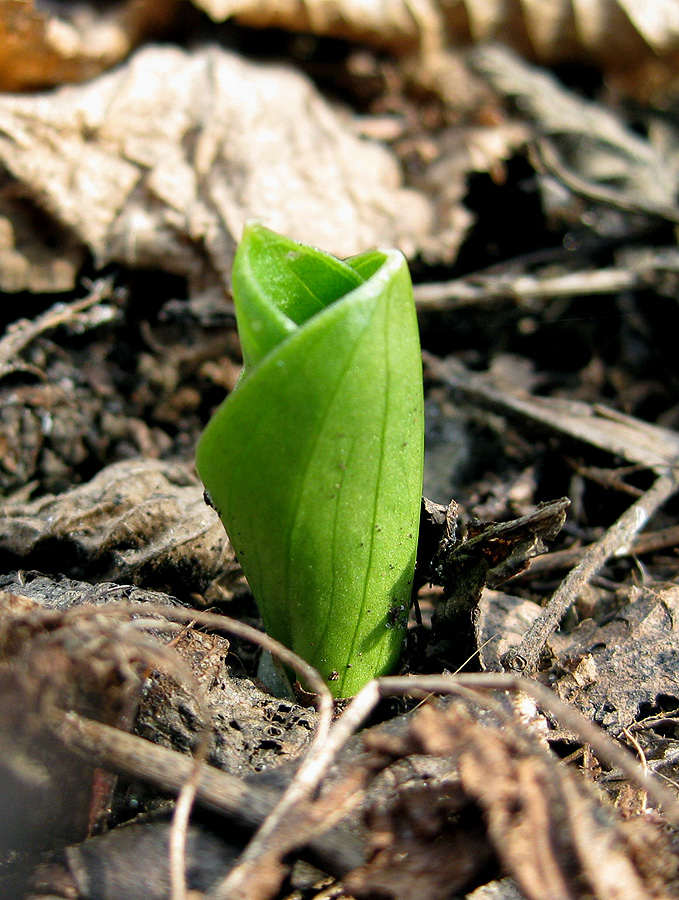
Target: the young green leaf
(314, 461)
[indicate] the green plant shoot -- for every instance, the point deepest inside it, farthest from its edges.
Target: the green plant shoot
(314, 461)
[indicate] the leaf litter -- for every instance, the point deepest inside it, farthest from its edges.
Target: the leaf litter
(152, 165)
(160, 163)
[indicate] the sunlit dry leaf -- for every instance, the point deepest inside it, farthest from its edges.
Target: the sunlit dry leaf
(160, 163)
(393, 23)
(624, 37)
(135, 521)
(70, 41)
(657, 22)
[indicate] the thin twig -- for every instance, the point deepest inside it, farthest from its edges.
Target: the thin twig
(247, 805)
(616, 542)
(184, 806)
(109, 748)
(648, 542)
(24, 331)
(642, 758)
(178, 834)
(523, 288)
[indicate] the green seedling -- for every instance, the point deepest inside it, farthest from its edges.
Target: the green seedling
(314, 461)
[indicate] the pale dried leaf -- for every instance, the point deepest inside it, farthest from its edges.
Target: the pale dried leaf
(621, 36)
(656, 22)
(160, 163)
(546, 21)
(393, 23)
(615, 668)
(137, 521)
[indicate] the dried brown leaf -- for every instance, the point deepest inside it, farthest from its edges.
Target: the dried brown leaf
(428, 842)
(136, 521)
(549, 831)
(631, 660)
(40, 48)
(392, 23)
(636, 42)
(488, 555)
(588, 146)
(161, 162)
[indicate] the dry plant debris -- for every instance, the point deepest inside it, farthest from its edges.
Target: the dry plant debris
(85, 658)
(136, 521)
(628, 437)
(589, 147)
(73, 41)
(619, 34)
(545, 827)
(538, 209)
(615, 668)
(636, 43)
(141, 164)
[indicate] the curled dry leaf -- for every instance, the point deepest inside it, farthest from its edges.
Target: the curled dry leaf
(160, 163)
(638, 41)
(396, 24)
(136, 521)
